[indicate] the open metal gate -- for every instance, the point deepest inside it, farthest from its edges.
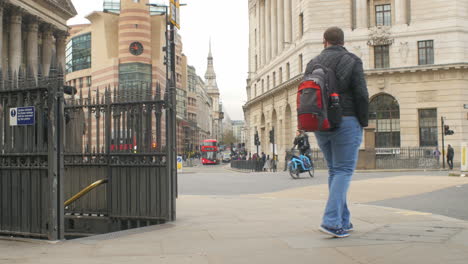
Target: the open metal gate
(30, 161)
(110, 134)
(115, 134)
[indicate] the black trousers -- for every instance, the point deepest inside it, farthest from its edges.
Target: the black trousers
(450, 162)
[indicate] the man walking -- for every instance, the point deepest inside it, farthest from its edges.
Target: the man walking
(340, 146)
(450, 155)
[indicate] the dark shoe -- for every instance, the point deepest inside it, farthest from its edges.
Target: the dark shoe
(339, 233)
(350, 228)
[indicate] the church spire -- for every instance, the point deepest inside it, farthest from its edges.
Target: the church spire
(210, 75)
(209, 53)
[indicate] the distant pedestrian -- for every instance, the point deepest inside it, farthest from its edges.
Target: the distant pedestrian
(341, 146)
(450, 154)
(267, 164)
(274, 163)
(437, 154)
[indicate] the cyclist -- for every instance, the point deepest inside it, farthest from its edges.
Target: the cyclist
(302, 143)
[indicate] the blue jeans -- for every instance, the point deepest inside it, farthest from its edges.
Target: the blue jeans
(341, 149)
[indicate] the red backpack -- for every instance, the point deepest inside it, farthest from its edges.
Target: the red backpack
(318, 102)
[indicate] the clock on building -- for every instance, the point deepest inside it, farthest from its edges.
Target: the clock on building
(136, 48)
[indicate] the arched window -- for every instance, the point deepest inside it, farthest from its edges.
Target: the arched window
(384, 113)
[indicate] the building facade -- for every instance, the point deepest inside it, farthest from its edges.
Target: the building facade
(192, 109)
(33, 34)
(205, 113)
(123, 46)
(415, 61)
(238, 130)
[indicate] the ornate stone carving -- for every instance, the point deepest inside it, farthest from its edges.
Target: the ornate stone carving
(16, 14)
(380, 35)
(32, 23)
(61, 35)
(64, 5)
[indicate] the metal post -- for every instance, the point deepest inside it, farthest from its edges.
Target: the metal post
(273, 139)
(443, 143)
(172, 114)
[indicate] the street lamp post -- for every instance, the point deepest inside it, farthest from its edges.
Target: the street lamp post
(170, 98)
(443, 143)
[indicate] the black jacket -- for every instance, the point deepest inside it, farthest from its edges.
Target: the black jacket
(450, 153)
(352, 87)
(302, 142)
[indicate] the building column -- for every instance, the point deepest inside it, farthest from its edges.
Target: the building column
(280, 8)
(46, 50)
(258, 50)
(60, 46)
(400, 12)
(361, 14)
(32, 46)
(268, 29)
(274, 28)
(15, 41)
(287, 21)
(263, 33)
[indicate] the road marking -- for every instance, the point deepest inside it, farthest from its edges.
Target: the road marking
(412, 213)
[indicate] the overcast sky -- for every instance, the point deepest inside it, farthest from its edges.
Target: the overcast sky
(226, 22)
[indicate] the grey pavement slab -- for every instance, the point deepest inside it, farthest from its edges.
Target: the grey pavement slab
(245, 229)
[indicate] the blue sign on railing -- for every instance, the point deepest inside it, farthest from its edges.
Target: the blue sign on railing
(22, 116)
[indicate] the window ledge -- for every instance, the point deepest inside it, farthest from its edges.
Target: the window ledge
(419, 68)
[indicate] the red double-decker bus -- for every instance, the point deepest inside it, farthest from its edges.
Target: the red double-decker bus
(209, 151)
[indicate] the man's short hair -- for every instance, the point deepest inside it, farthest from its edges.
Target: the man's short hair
(334, 36)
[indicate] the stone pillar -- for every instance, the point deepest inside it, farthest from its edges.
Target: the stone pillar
(361, 13)
(15, 41)
(46, 50)
(32, 46)
(287, 21)
(367, 160)
(280, 8)
(60, 46)
(274, 29)
(400, 12)
(258, 48)
(268, 29)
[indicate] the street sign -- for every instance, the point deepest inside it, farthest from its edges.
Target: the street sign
(174, 13)
(179, 163)
(22, 116)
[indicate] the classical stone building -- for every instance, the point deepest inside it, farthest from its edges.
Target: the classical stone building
(205, 113)
(200, 115)
(33, 34)
(123, 46)
(414, 54)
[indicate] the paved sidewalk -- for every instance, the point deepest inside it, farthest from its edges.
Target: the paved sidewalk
(234, 229)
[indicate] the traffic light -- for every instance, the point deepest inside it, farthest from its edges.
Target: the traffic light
(256, 139)
(447, 131)
(272, 136)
